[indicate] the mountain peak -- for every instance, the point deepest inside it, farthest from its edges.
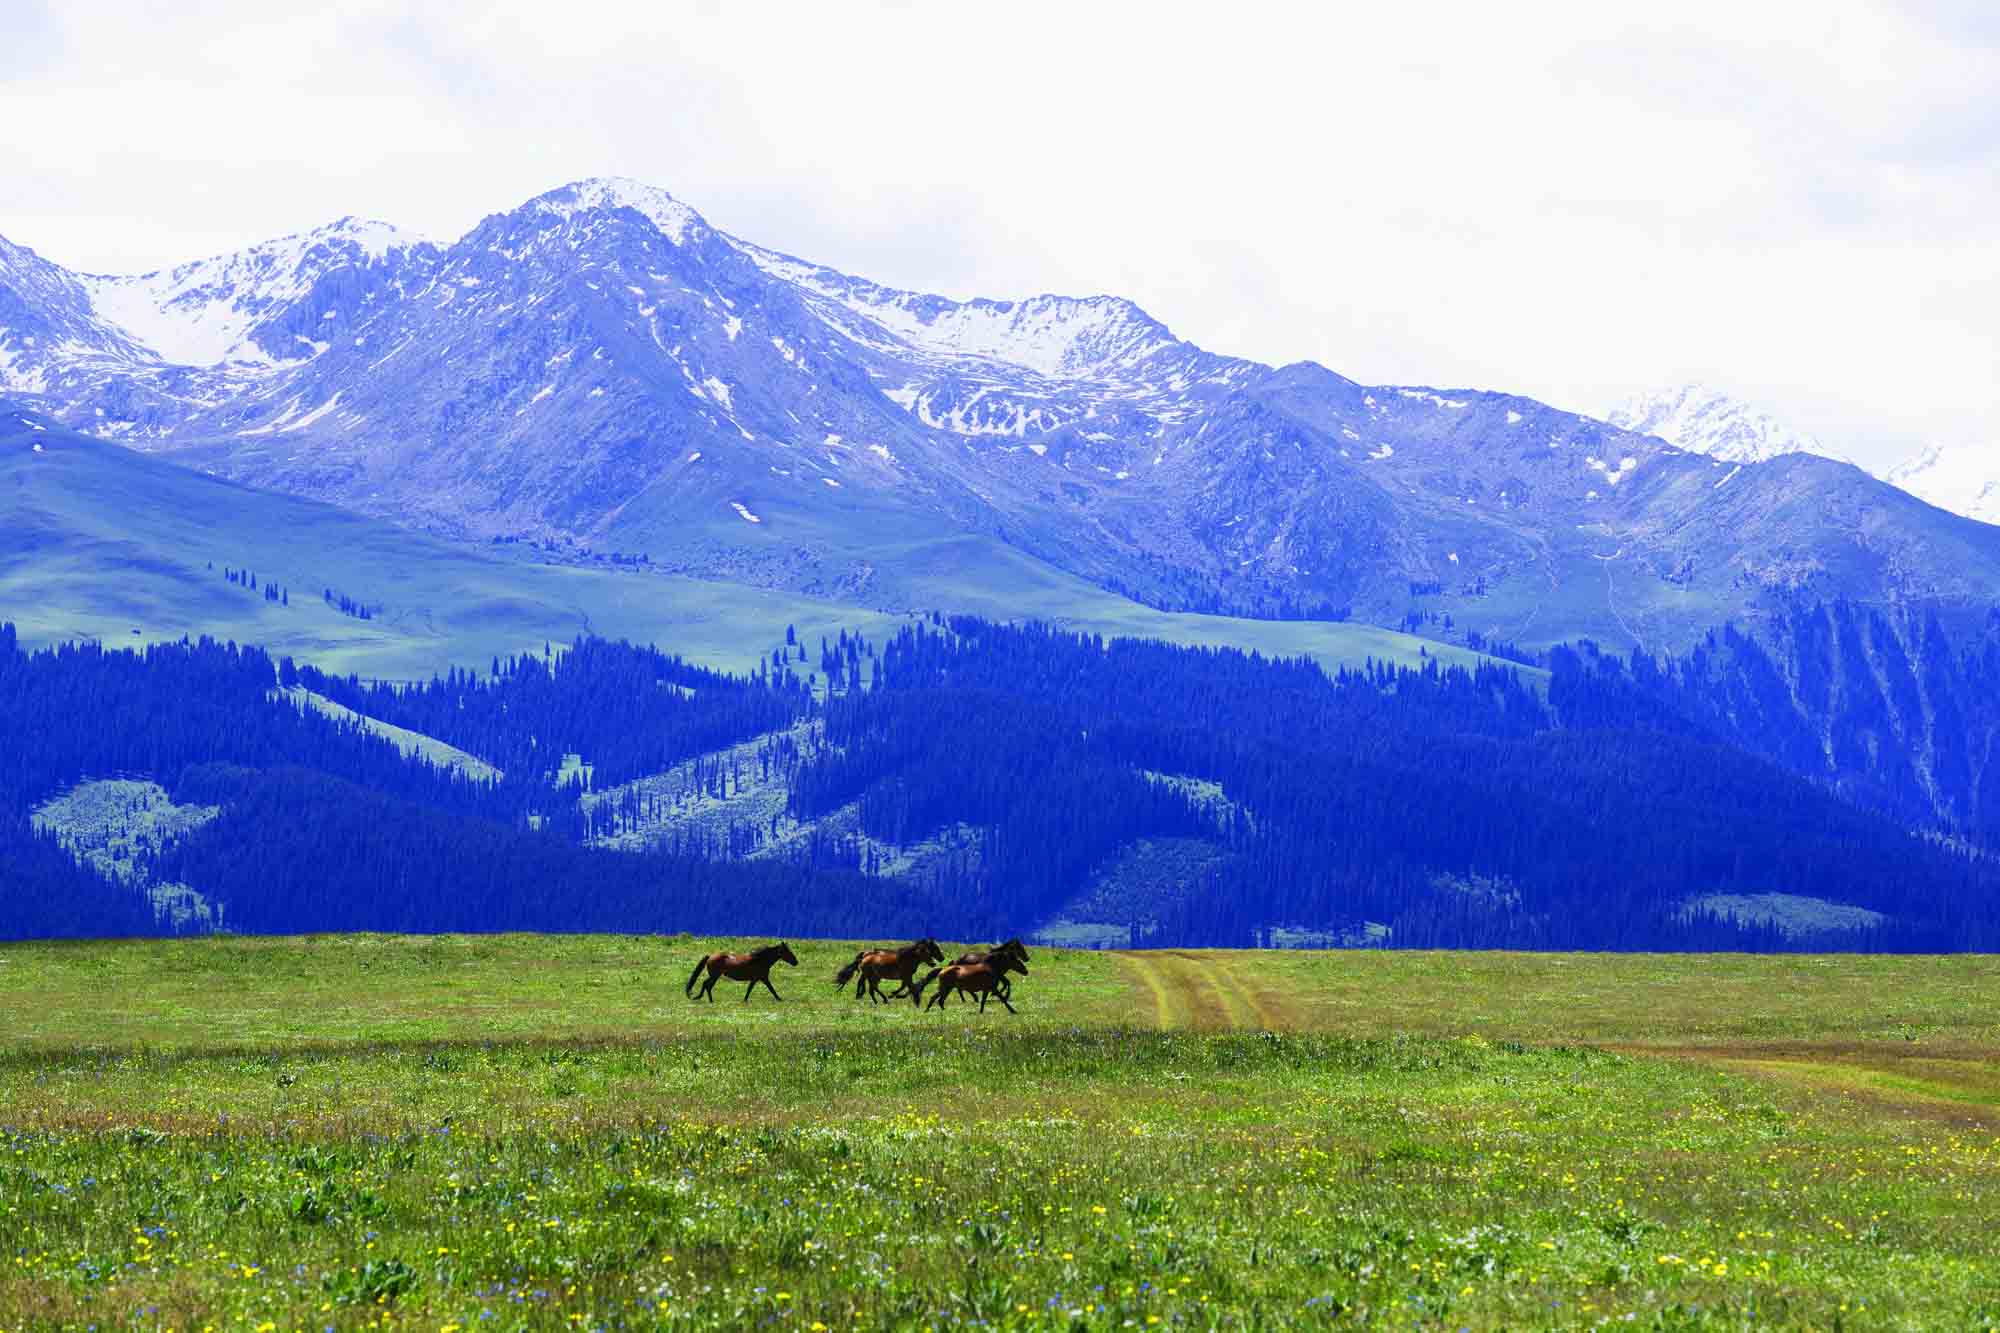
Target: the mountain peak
(1704, 420)
(674, 219)
(206, 312)
(375, 238)
(1964, 480)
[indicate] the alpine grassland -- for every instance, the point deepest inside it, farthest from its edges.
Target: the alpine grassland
(493, 1132)
(98, 542)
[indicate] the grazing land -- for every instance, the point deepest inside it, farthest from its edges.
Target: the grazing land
(540, 1131)
(98, 542)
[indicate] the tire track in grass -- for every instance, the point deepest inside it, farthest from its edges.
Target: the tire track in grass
(1275, 1005)
(1149, 979)
(1184, 989)
(1209, 972)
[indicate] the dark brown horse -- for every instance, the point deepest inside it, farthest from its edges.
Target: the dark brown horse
(981, 979)
(750, 967)
(878, 965)
(1011, 949)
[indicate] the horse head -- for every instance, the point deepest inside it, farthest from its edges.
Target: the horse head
(785, 954)
(928, 951)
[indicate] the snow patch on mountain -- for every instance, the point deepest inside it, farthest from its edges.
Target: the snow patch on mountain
(317, 414)
(1612, 474)
(15, 376)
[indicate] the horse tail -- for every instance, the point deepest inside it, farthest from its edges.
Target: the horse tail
(695, 975)
(845, 974)
(917, 991)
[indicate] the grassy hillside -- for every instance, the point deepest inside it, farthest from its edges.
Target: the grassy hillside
(99, 542)
(412, 743)
(541, 1132)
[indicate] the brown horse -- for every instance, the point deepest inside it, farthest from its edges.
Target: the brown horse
(981, 979)
(878, 965)
(750, 967)
(1011, 949)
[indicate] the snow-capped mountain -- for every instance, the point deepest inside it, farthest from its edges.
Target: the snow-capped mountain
(227, 308)
(140, 357)
(602, 365)
(1965, 480)
(1703, 420)
(48, 328)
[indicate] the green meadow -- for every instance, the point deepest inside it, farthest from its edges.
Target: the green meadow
(99, 542)
(461, 1133)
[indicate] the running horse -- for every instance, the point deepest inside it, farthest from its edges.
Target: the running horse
(750, 967)
(981, 979)
(1011, 949)
(878, 965)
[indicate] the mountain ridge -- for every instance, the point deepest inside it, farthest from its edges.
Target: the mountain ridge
(601, 365)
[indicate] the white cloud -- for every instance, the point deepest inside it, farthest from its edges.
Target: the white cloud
(1557, 200)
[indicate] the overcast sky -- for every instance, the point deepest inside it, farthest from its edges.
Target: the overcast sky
(1797, 202)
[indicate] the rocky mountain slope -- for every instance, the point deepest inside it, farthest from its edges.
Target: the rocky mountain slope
(601, 366)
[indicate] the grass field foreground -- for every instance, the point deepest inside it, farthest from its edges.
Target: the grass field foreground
(504, 1132)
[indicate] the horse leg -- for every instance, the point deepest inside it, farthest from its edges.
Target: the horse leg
(982, 998)
(773, 989)
(1003, 999)
(708, 987)
(746, 991)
